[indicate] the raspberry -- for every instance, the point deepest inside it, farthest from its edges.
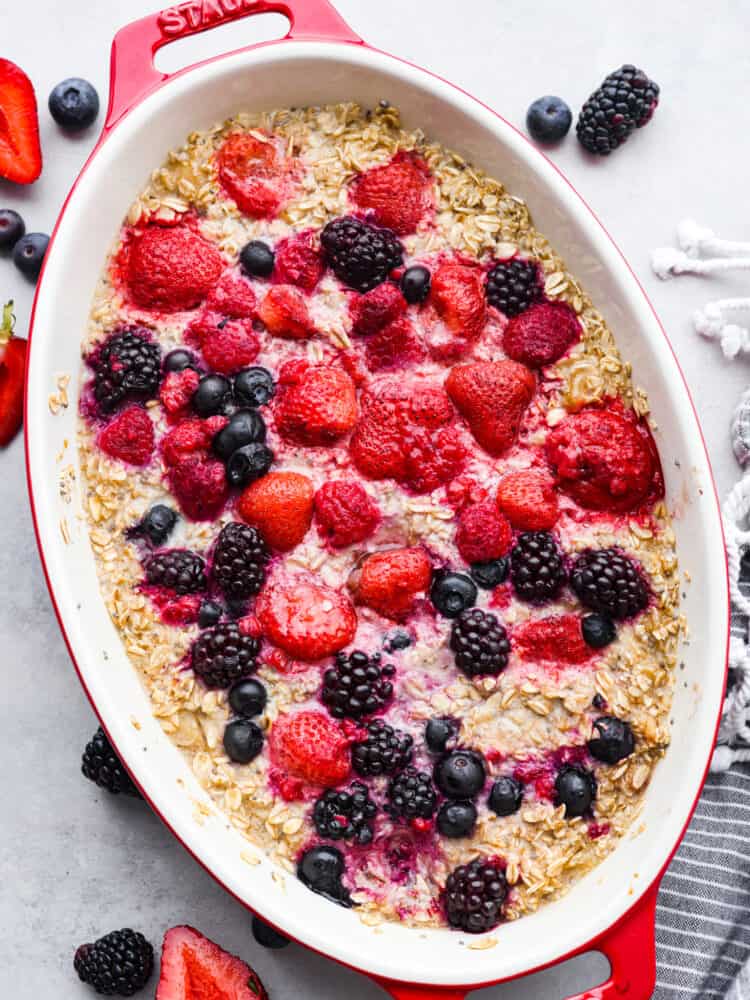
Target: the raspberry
(480, 643)
(625, 101)
(376, 309)
(411, 795)
(389, 581)
(280, 505)
(319, 408)
(200, 486)
(395, 346)
(299, 260)
(305, 618)
(222, 654)
(311, 746)
(121, 962)
(232, 297)
(542, 334)
(357, 685)
(188, 438)
(482, 532)
(398, 194)
(179, 570)
(474, 895)
(177, 390)
(284, 313)
(101, 765)
(346, 815)
(384, 751)
(230, 346)
(492, 396)
(610, 582)
(529, 500)
(558, 638)
(360, 255)
(129, 437)
(239, 561)
(458, 298)
(251, 174)
(126, 367)
(536, 567)
(345, 513)
(172, 268)
(514, 285)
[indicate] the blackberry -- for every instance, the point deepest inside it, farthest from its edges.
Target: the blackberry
(101, 765)
(411, 795)
(480, 643)
(345, 815)
(127, 366)
(536, 567)
(514, 285)
(474, 895)
(625, 101)
(239, 563)
(609, 582)
(360, 255)
(120, 963)
(356, 685)
(222, 654)
(385, 751)
(180, 570)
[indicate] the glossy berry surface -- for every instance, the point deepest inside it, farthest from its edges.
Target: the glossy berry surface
(127, 367)
(612, 740)
(321, 869)
(384, 751)
(397, 639)
(438, 733)
(346, 814)
(411, 795)
(179, 570)
(456, 819)
(240, 558)
(222, 654)
(460, 774)
(248, 697)
(267, 936)
(12, 228)
(514, 285)
(209, 614)
(506, 796)
(74, 104)
(474, 895)
(489, 575)
(157, 525)
(212, 396)
(548, 119)
(244, 427)
(415, 284)
(598, 630)
(257, 259)
(178, 360)
(575, 788)
(480, 643)
(101, 765)
(120, 963)
(360, 255)
(243, 740)
(536, 567)
(609, 582)
(625, 101)
(452, 593)
(357, 685)
(254, 386)
(248, 463)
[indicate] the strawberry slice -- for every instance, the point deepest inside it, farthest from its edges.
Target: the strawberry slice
(12, 368)
(194, 968)
(20, 152)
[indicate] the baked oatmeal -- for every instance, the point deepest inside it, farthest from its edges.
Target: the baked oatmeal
(378, 514)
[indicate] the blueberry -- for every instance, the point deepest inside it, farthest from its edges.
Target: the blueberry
(257, 258)
(267, 936)
(452, 593)
(548, 119)
(243, 740)
(397, 639)
(489, 575)
(506, 796)
(178, 360)
(415, 284)
(158, 523)
(28, 254)
(209, 614)
(248, 697)
(575, 788)
(12, 228)
(248, 463)
(320, 869)
(74, 104)
(254, 386)
(598, 630)
(214, 392)
(599, 702)
(613, 740)
(457, 819)
(460, 774)
(244, 427)
(437, 732)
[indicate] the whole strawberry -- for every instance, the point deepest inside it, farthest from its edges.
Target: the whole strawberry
(492, 396)
(305, 618)
(12, 369)
(528, 499)
(557, 638)
(317, 406)
(390, 581)
(310, 745)
(280, 506)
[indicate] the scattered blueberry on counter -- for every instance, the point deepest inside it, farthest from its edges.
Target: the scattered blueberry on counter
(12, 228)
(267, 936)
(74, 104)
(28, 254)
(549, 119)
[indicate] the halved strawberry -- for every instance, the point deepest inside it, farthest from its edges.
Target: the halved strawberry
(457, 296)
(251, 173)
(558, 638)
(284, 313)
(194, 968)
(12, 368)
(20, 152)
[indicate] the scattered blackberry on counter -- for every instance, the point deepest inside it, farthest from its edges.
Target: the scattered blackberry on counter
(489, 575)
(548, 119)
(612, 740)
(506, 796)
(625, 101)
(346, 814)
(356, 685)
(157, 524)
(397, 639)
(415, 284)
(257, 259)
(254, 386)
(120, 963)
(74, 104)
(598, 631)
(460, 774)
(179, 570)
(452, 593)
(12, 228)
(239, 561)
(248, 697)
(267, 936)
(474, 895)
(28, 254)
(439, 732)
(456, 819)
(385, 751)
(610, 583)
(222, 654)
(101, 765)
(411, 795)
(213, 395)
(209, 614)
(514, 285)
(480, 643)
(243, 740)
(360, 255)
(575, 788)
(321, 870)
(244, 427)
(178, 360)
(248, 463)
(536, 567)
(127, 366)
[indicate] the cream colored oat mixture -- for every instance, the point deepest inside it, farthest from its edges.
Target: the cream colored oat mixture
(414, 506)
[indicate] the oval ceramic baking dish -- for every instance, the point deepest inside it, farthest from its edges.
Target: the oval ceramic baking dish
(320, 61)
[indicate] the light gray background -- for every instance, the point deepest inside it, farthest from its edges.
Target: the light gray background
(75, 863)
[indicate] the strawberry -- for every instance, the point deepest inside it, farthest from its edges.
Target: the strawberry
(280, 506)
(305, 618)
(311, 746)
(230, 346)
(299, 260)
(376, 309)
(604, 459)
(389, 581)
(20, 152)
(398, 194)
(492, 396)
(557, 638)
(177, 390)
(542, 334)
(529, 500)
(190, 437)
(457, 296)
(319, 408)
(129, 437)
(284, 313)
(171, 268)
(251, 174)
(194, 968)
(232, 297)
(345, 513)
(200, 486)
(482, 533)
(12, 371)
(395, 346)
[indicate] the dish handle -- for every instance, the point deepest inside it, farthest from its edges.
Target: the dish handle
(629, 946)
(132, 71)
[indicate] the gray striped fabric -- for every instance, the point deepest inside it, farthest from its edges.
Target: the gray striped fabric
(702, 925)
